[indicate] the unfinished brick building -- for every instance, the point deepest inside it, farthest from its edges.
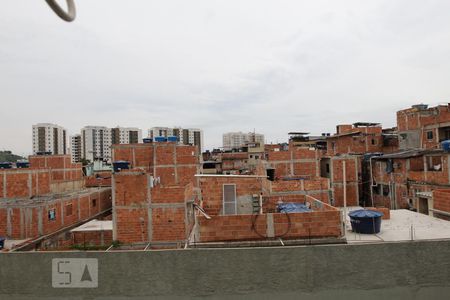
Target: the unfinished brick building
(421, 127)
(160, 211)
(441, 203)
(47, 197)
(407, 178)
(402, 179)
(152, 201)
(230, 201)
(349, 146)
(43, 215)
(171, 163)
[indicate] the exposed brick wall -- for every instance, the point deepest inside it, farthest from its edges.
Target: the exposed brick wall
(297, 161)
(421, 121)
(441, 201)
(92, 238)
(26, 215)
(289, 226)
(212, 190)
(365, 140)
(273, 192)
(299, 185)
(24, 183)
(60, 166)
(352, 174)
(172, 163)
(407, 180)
(136, 203)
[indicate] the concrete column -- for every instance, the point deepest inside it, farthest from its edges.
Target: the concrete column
(292, 162)
(149, 213)
(425, 168)
(270, 227)
(317, 163)
(4, 185)
(40, 220)
(79, 207)
(30, 185)
(62, 212)
(154, 159)
(89, 205)
(113, 200)
(22, 223)
(9, 213)
(64, 166)
(37, 182)
(175, 163)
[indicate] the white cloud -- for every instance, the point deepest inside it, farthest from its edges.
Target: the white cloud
(272, 66)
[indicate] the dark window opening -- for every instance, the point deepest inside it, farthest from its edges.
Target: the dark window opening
(434, 163)
(52, 214)
(429, 135)
(94, 202)
(376, 189)
(386, 190)
(69, 208)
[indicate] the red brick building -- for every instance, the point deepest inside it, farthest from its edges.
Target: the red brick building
(47, 197)
(408, 177)
(230, 202)
(152, 202)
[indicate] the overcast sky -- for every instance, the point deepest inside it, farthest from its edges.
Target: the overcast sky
(273, 66)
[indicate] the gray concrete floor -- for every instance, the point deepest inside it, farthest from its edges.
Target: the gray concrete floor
(400, 226)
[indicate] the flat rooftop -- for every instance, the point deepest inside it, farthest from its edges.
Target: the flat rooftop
(37, 200)
(404, 225)
(94, 225)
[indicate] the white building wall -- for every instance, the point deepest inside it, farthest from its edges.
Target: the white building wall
(232, 140)
(50, 138)
(96, 143)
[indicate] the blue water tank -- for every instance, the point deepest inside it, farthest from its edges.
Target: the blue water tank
(147, 140)
(365, 221)
(446, 145)
(5, 165)
(22, 164)
(120, 165)
(160, 139)
(172, 139)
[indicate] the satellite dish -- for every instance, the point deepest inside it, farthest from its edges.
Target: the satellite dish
(68, 16)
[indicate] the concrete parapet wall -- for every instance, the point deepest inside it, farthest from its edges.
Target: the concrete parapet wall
(410, 270)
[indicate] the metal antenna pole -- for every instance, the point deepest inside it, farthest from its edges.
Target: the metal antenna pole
(68, 16)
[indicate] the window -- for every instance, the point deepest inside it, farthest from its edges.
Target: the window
(385, 190)
(374, 141)
(94, 202)
(376, 189)
(434, 163)
(52, 214)
(229, 199)
(69, 208)
(429, 135)
(327, 168)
